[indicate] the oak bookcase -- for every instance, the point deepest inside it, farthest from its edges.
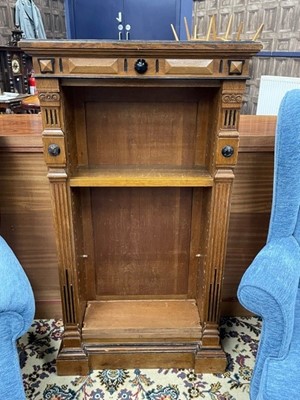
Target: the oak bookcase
(140, 140)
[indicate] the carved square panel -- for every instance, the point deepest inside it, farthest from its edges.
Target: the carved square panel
(223, 22)
(238, 18)
(225, 3)
(270, 19)
(46, 65)
(4, 20)
(287, 18)
(283, 44)
(212, 3)
(254, 17)
(235, 67)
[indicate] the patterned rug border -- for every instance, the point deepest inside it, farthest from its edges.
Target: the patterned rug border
(39, 347)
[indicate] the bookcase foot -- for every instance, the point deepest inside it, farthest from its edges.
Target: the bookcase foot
(72, 361)
(210, 361)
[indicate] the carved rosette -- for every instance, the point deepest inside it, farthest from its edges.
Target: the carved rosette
(49, 97)
(232, 98)
(231, 104)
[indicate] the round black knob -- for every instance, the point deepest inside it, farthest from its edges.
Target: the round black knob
(54, 150)
(141, 66)
(227, 151)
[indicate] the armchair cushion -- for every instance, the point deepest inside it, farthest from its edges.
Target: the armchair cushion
(281, 375)
(16, 315)
(285, 219)
(269, 288)
(16, 294)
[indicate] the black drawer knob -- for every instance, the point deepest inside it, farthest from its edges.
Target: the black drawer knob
(141, 66)
(54, 150)
(227, 151)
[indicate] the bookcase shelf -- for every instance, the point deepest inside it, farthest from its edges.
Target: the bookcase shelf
(141, 177)
(142, 320)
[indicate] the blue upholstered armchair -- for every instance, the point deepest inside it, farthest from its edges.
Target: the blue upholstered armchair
(16, 314)
(270, 286)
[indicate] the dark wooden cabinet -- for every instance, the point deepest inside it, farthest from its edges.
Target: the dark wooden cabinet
(14, 69)
(141, 140)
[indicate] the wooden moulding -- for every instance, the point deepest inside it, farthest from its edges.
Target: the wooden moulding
(104, 59)
(133, 48)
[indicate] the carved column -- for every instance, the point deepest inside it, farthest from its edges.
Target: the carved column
(56, 160)
(216, 241)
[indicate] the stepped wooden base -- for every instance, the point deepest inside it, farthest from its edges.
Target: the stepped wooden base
(127, 356)
(142, 334)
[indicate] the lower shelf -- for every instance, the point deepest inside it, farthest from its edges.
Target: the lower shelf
(138, 320)
(140, 334)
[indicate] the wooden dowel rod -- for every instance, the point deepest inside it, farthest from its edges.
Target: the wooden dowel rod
(258, 32)
(188, 35)
(228, 28)
(195, 32)
(209, 28)
(174, 33)
(214, 28)
(240, 30)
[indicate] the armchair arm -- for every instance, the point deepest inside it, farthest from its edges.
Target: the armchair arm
(16, 294)
(269, 288)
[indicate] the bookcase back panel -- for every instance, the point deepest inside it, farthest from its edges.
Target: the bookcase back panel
(141, 133)
(142, 126)
(141, 240)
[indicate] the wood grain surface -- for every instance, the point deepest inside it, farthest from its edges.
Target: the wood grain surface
(25, 208)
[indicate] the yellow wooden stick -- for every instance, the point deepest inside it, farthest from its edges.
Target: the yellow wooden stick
(188, 35)
(214, 28)
(258, 32)
(240, 30)
(209, 28)
(195, 31)
(174, 33)
(228, 28)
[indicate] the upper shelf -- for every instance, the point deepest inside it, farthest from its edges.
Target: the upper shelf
(141, 177)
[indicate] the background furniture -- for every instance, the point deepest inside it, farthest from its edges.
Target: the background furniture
(270, 286)
(31, 104)
(25, 207)
(140, 140)
(14, 69)
(9, 105)
(16, 315)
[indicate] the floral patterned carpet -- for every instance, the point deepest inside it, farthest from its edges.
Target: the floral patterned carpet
(38, 349)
